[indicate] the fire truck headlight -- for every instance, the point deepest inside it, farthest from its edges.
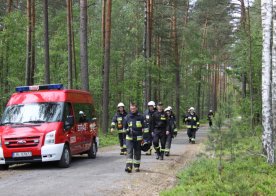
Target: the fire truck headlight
(50, 138)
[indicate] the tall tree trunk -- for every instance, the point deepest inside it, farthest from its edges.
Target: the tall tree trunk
(83, 45)
(46, 44)
(250, 65)
(268, 140)
(74, 61)
(106, 67)
(28, 44)
(176, 63)
(243, 24)
(32, 70)
(69, 43)
(10, 5)
(186, 15)
(273, 84)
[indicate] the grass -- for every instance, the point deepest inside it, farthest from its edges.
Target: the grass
(243, 170)
(108, 139)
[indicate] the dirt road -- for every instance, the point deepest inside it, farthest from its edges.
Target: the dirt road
(104, 175)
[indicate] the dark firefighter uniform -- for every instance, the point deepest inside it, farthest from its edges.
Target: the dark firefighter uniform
(210, 117)
(117, 122)
(192, 123)
(134, 125)
(147, 135)
(172, 132)
(159, 125)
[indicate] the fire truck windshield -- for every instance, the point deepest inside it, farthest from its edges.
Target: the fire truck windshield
(33, 113)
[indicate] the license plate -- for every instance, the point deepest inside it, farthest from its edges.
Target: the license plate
(21, 154)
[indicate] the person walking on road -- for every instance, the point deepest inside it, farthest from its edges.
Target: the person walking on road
(160, 126)
(148, 115)
(192, 125)
(117, 122)
(172, 130)
(134, 126)
(210, 117)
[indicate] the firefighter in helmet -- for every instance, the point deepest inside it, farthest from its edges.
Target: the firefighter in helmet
(134, 126)
(172, 129)
(192, 125)
(147, 136)
(160, 126)
(117, 122)
(210, 117)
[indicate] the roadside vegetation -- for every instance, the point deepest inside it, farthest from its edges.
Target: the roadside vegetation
(108, 139)
(234, 162)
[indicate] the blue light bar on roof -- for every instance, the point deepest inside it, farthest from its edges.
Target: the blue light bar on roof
(39, 87)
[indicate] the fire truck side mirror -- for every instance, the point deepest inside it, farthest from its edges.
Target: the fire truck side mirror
(69, 122)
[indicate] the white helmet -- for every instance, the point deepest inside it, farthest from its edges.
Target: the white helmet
(211, 110)
(120, 105)
(81, 113)
(151, 103)
(192, 109)
(169, 107)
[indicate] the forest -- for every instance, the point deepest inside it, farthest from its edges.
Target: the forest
(209, 54)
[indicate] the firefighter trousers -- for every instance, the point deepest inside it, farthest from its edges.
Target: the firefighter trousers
(159, 136)
(122, 140)
(168, 142)
(133, 153)
(191, 132)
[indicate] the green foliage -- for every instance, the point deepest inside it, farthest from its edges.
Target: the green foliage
(248, 175)
(234, 165)
(108, 139)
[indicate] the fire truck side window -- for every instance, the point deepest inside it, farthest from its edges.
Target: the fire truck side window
(67, 110)
(84, 112)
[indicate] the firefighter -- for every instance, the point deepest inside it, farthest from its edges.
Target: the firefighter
(192, 124)
(82, 118)
(117, 122)
(172, 132)
(134, 126)
(160, 126)
(147, 115)
(210, 117)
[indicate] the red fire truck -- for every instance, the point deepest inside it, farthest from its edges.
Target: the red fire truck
(47, 123)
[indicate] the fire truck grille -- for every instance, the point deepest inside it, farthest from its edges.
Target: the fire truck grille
(22, 142)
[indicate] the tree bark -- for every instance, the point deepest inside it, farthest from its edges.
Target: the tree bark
(267, 137)
(273, 82)
(46, 44)
(69, 43)
(28, 44)
(83, 45)
(176, 63)
(106, 67)
(74, 62)
(33, 51)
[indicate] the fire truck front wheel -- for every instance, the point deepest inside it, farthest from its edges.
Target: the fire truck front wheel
(65, 159)
(92, 152)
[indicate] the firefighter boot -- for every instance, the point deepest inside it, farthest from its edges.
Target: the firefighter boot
(125, 151)
(122, 151)
(157, 154)
(162, 155)
(128, 169)
(136, 169)
(193, 140)
(167, 154)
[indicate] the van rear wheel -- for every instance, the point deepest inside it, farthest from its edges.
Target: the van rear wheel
(92, 152)
(65, 159)
(4, 167)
